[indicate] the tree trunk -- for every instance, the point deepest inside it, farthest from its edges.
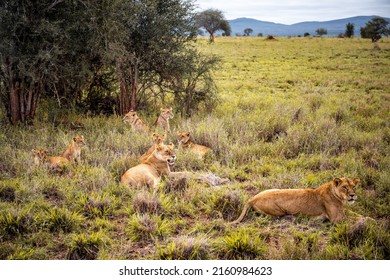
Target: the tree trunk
(134, 85)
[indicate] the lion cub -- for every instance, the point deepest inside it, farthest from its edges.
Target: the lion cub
(157, 139)
(136, 123)
(185, 143)
(150, 171)
(327, 200)
(56, 162)
(73, 152)
(163, 119)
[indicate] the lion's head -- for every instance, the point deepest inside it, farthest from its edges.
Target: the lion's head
(39, 154)
(165, 153)
(158, 138)
(130, 117)
(166, 113)
(183, 137)
(79, 140)
(345, 189)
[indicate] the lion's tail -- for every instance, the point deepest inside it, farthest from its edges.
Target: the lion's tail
(244, 210)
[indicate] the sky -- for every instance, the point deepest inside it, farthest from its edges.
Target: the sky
(294, 11)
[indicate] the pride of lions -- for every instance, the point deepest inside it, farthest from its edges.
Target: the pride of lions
(326, 201)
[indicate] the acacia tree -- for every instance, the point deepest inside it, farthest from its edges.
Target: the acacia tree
(321, 31)
(375, 28)
(248, 31)
(213, 20)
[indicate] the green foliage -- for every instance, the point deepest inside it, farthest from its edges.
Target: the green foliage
(242, 245)
(86, 246)
(183, 248)
(61, 220)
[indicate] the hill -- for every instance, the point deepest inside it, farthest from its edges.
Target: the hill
(334, 27)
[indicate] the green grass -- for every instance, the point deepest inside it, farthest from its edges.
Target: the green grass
(293, 113)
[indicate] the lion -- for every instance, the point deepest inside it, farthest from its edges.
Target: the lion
(327, 200)
(157, 139)
(162, 120)
(55, 162)
(136, 123)
(73, 151)
(185, 143)
(152, 169)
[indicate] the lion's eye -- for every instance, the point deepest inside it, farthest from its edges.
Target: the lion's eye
(345, 188)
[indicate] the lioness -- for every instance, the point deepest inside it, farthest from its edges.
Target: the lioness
(185, 143)
(136, 123)
(327, 200)
(157, 139)
(40, 156)
(73, 151)
(150, 171)
(163, 119)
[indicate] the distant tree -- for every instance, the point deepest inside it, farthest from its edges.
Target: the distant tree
(375, 28)
(213, 20)
(321, 31)
(349, 30)
(260, 34)
(248, 31)
(306, 34)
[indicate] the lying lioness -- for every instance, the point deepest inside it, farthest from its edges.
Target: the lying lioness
(150, 171)
(327, 200)
(55, 162)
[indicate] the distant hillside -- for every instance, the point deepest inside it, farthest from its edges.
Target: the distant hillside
(334, 27)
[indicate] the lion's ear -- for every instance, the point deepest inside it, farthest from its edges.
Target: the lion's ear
(337, 181)
(154, 135)
(356, 181)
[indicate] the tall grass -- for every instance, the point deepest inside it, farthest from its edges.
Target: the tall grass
(294, 113)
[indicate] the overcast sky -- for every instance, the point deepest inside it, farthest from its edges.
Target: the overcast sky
(294, 11)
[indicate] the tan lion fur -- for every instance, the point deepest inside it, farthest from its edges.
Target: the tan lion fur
(73, 151)
(152, 169)
(157, 139)
(327, 200)
(136, 123)
(185, 143)
(162, 120)
(55, 162)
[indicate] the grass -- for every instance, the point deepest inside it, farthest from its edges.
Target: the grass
(293, 113)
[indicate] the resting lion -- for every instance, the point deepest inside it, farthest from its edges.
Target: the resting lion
(157, 139)
(136, 123)
(73, 151)
(185, 143)
(162, 120)
(327, 200)
(150, 171)
(55, 162)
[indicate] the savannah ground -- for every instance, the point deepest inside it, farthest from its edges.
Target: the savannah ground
(293, 113)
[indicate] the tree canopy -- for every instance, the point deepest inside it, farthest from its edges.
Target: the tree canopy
(120, 53)
(375, 28)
